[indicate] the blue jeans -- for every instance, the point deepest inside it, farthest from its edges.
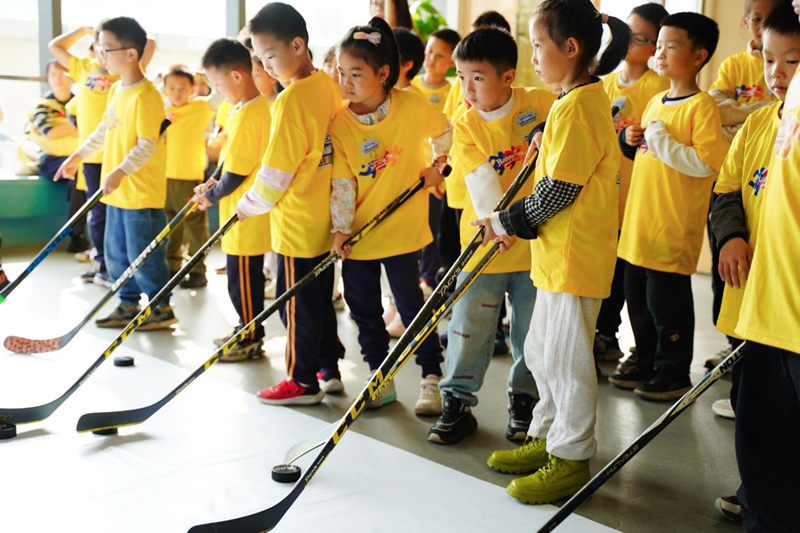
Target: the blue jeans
(470, 336)
(128, 232)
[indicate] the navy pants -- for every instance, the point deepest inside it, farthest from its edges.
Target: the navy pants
(610, 317)
(246, 289)
(48, 166)
(97, 220)
(429, 259)
(362, 282)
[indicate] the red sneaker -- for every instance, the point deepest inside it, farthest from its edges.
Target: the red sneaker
(290, 392)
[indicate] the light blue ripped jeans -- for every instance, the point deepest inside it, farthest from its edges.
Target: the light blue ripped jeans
(470, 336)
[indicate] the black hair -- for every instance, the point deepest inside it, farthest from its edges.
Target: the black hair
(180, 70)
(227, 54)
(281, 21)
(411, 48)
(492, 19)
(449, 36)
(493, 45)
(579, 20)
(702, 31)
(652, 13)
(782, 20)
(375, 55)
(127, 31)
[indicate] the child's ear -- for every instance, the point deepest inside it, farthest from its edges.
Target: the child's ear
(572, 47)
(237, 76)
(383, 74)
(131, 55)
(298, 46)
(700, 57)
(509, 76)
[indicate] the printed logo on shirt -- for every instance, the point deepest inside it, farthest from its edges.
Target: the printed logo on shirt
(644, 150)
(788, 136)
(748, 93)
(620, 123)
(434, 99)
(508, 159)
(370, 145)
(525, 118)
(111, 118)
(759, 181)
(388, 158)
(99, 81)
(327, 153)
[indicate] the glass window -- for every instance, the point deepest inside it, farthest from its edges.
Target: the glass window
(18, 32)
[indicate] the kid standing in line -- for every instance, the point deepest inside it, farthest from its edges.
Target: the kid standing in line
(228, 65)
(573, 209)
(291, 186)
(412, 56)
(673, 172)
(135, 183)
(490, 143)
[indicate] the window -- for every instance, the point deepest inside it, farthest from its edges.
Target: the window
(18, 38)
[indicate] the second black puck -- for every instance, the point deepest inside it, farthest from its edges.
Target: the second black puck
(286, 473)
(8, 430)
(123, 360)
(108, 431)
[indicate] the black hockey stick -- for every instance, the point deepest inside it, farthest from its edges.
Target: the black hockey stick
(132, 417)
(26, 415)
(642, 440)
(62, 234)
(31, 346)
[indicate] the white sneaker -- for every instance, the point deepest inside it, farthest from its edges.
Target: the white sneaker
(396, 327)
(723, 408)
(429, 402)
(269, 290)
(387, 395)
(712, 362)
(329, 383)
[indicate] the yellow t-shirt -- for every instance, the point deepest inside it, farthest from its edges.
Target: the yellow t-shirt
(666, 214)
(248, 135)
(93, 82)
(436, 95)
(186, 142)
(502, 143)
(746, 169)
(132, 113)
(300, 145)
(386, 159)
(457, 196)
(454, 103)
(631, 102)
(224, 111)
(742, 75)
(770, 313)
(575, 251)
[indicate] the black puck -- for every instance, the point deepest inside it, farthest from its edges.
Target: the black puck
(286, 473)
(8, 430)
(123, 360)
(107, 431)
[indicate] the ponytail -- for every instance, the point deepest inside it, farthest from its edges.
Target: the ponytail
(617, 49)
(376, 46)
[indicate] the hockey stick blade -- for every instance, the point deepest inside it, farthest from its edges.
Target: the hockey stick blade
(22, 345)
(642, 440)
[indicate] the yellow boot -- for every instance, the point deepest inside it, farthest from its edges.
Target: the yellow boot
(529, 457)
(559, 478)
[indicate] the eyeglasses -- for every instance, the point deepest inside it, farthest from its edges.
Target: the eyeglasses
(102, 52)
(640, 40)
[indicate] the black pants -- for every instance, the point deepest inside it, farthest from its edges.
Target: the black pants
(312, 341)
(362, 282)
(48, 166)
(767, 436)
(246, 288)
(449, 237)
(97, 218)
(429, 259)
(610, 317)
(661, 311)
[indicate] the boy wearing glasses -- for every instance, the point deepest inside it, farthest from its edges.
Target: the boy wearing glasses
(134, 173)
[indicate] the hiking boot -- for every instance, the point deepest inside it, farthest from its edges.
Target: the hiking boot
(429, 402)
(330, 381)
(290, 392)
(162, 317)
(245, 350)
(558, 479)
(193, 281)
(664, 387)
(385, 396)
(520, 413)
(634, 378)
(606, 348)
(455, 423)
(119, 317)
(529, 457)
(730, 508)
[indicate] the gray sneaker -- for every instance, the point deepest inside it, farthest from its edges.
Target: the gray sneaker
(119, 317)
(162, 317)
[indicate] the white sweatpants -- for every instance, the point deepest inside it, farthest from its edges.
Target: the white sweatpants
(559, 352)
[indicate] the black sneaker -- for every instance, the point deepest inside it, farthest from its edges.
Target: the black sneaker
(520, 413)
(730, 508)
(628, 364)
(500, 344)
(87, 276)
(455, 423)
(606, 348)
(119, 317)
(162, 317)
(443, 339)
(632, 379)
(193, 281)
(664, 387)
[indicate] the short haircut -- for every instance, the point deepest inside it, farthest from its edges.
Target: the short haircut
(492, 45)
(227, 54)
(411, 48)
(492, 19)
(652, 13)
(782, 20)
(702, 31)
(281, 21)
(127, 31)
(449, 36)
(180, 71)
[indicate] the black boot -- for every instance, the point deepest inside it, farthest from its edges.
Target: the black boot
(520, 413)
(455, 423)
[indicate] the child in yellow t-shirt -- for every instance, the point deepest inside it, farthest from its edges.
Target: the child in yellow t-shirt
(572, 217)
(665, 216)
(229, 67)
(291, 187)
(134, 181)
(629, 89)
(378, 142)
(412, 56)
(490, 143)
(186, 167)
(438, 60)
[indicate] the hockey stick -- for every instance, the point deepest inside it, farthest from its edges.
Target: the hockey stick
(642, 440)
(26, 415)
(59, 237)
(132, 417)
(30, 346)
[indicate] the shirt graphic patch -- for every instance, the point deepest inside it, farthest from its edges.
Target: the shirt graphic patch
(759, 181)
(743, 91)
(327, 153)
(508, 159)
(99, 81)
(388, 158)
(525, 118)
